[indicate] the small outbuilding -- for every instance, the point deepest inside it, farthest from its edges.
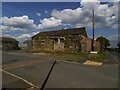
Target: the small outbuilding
(28, 44)
(9, 43)
(74, 39)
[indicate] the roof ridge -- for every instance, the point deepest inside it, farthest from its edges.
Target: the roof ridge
(81, 30)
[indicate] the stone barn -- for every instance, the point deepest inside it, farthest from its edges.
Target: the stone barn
(9, 43)
(74, 39)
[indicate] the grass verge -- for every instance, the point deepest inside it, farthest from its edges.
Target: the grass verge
(81, 56)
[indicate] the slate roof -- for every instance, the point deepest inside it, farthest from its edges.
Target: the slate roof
(7, 39)
(72, 31)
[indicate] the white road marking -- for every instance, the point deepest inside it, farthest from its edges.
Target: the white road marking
(26, 81)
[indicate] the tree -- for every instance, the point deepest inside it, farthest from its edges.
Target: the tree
(104, 43)
(118, 44)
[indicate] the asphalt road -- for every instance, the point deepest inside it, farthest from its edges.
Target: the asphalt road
(24, 71)
(16, 56)
(113, 57)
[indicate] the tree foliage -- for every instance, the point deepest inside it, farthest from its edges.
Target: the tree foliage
(104, 43)
(118, 44)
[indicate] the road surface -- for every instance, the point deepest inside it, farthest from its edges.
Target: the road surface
(26, 70)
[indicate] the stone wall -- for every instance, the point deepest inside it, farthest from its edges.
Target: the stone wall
(10, 45)
(70, 43)
(42, 43)
(66, 42)
(89, 45)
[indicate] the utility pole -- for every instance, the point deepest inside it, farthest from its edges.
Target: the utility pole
(92, 31)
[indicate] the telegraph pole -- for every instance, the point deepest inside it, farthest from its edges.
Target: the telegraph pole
(92, 31)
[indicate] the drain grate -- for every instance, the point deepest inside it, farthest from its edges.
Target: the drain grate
(70, 60)
(14, 60)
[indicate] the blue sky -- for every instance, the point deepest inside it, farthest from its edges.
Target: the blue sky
(22, 20)
(31, 8)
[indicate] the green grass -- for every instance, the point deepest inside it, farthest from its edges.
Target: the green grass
(99, 57)
(39, 51)
(78, 55)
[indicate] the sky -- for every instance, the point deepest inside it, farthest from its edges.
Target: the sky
(22, 20)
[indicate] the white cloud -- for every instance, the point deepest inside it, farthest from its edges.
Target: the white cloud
(20, 37)
(114, 37)
(7, 35)
(68, 15)
(91, 4)
(49, 23)
(10, 28)
(23, 37)
(34, 33)
(46, 11)
(26, 36)
(105, 16)
(22, 23)
(90, 1)
(38, 14)
(83, 16)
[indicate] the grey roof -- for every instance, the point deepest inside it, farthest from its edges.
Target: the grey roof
(72, 31)
(7, 39)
